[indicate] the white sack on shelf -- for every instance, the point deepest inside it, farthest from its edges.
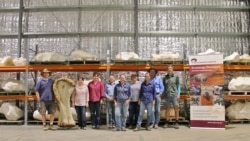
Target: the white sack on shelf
(209, 51)
(79, 55)
(13, 85)
(6, 61)
(11, 112)
(127, 56)
(238, 110)
(19, 61)
(166, 56)
(239, 83)
(235, 57)
(245, 58)
(49, 57)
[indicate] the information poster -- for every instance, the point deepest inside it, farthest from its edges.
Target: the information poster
(206, 91)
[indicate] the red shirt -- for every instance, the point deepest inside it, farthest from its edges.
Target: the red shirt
(96, 91)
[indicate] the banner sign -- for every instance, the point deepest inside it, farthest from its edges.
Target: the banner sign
(206, 91)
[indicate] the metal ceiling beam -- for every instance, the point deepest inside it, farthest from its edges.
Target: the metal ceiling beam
(131, 34)
(131, 7)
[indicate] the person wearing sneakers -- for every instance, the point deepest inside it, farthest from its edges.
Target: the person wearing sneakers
(122, 96)
(159, 88)
(80, 99)
(45, 96)
(134, 107)
(109, 94)
(171, 95)
(146, 101)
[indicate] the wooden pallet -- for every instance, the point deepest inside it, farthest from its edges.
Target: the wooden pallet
(47, 63)
(239, 93)
(166, 62)
(240, 121)
(181, 119)
(129, 62)
(8, 122)
(11, 93)
(84, 62)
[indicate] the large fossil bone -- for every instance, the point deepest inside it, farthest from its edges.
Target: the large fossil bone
(63, 88)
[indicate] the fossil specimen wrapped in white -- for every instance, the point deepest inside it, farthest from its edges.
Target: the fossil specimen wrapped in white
(6, 61)
(235, 57)
(166, 56)
(79, 55)
(239, 83)
(245, 58)
(11, 112)
(127, 56)
(19, 61)
(13, 85)
(238, 110)
(49, 57)
(209, 51)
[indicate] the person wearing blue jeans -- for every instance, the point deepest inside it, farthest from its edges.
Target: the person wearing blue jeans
(146, 101)
(159, 89)
(109, 94)
(122, 95)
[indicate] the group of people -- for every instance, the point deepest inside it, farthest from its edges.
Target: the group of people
(122, 98)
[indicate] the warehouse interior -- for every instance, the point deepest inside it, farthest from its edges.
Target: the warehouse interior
(105, 28)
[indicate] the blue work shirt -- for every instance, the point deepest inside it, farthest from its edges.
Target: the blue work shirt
(147, 93)
(44, 88)
(122, 93)
(159, 87)
(109, 90)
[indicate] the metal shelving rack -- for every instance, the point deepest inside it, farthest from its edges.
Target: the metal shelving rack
(22, 37)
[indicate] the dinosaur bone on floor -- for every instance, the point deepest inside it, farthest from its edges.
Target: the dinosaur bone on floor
(63, 88)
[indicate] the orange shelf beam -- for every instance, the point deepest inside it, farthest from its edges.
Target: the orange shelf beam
(13, 68)
(236, 97)
(236, 68)
(17, 97)
(114, 67)
(58, 68)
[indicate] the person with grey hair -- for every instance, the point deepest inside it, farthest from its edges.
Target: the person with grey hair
(171, 95)
(122, 96)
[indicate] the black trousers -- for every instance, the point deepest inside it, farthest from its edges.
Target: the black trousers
(95, 111)
(134, 109)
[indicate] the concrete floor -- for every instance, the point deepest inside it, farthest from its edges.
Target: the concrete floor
(233, 132)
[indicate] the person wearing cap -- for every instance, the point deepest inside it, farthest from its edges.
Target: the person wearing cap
(134, 107)
(45, 96)
(80, 99)
(96, 96)
(159, 89)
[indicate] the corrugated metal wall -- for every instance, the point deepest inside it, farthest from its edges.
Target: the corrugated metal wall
(143, 26)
